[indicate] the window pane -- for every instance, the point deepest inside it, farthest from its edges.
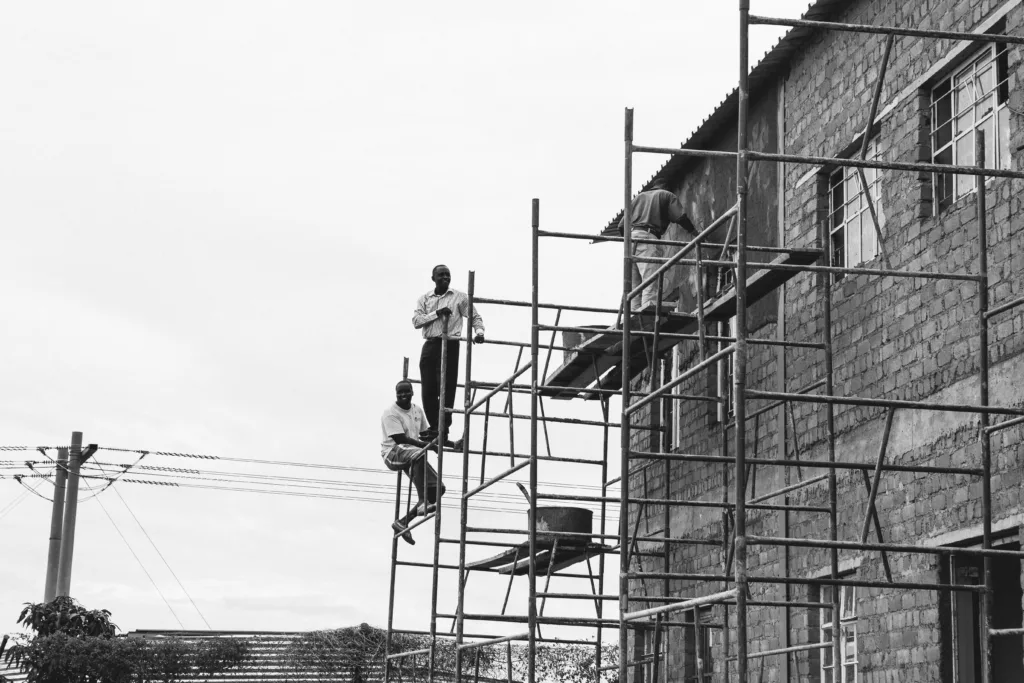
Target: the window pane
(990, 142)
(837, 203)
(853, 241)
(963, 101)
(851, 673)
(838, 259)
(964, 157)
(985, 78)
(1004, 138)
(942, 115)
(849, 602)
(964, 123)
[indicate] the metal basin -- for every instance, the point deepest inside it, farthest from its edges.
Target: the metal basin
(571, 519)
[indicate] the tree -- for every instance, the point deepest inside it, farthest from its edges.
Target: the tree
(75, 645)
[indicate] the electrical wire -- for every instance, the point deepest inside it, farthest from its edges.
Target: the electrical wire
(301, 494)
(14, 503)
(148, 575)
(166, 563)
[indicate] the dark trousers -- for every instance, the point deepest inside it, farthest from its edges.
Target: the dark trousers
(430, 377)
(425, 490)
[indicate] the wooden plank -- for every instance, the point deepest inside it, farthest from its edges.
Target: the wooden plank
(566, 557)
(502, 558)
(603, 352)
(760, 284)
(583, 372)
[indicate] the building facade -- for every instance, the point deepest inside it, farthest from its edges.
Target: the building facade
(893, 337)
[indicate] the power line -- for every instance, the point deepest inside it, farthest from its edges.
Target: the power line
(166, 563)
(132, 551)
(14, 503)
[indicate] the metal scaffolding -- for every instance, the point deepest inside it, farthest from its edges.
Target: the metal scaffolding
(626, 359)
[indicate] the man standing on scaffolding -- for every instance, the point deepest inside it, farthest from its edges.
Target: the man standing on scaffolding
(438, 310)
(403, 450)
(651, 212)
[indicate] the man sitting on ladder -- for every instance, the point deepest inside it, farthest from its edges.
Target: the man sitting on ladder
(651, 213)
(403, 451)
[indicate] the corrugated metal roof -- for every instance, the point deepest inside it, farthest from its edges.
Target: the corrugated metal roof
(764, 74)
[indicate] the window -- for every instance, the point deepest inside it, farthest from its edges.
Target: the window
(699, 647)
(726, 410)
(965, 616)
(847, 671)
(851, 231)
(972, 99)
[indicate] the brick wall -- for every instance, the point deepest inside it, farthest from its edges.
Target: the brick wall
(894, 338)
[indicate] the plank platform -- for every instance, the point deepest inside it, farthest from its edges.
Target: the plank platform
(516, 561)
(600, 353)
(597, 362)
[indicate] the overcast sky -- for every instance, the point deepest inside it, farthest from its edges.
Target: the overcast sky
(217, 218)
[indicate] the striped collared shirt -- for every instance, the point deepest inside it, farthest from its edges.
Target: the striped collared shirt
(425, 315)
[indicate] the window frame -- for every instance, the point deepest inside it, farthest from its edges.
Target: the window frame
(841, 219)
(847, 625)
(949, 144)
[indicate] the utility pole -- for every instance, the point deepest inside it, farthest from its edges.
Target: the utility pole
(67, 541)
(56, 524)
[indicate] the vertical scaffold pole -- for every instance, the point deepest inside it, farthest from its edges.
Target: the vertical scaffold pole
(986, 444)
(442, 435)
(535, 361)
(394, 560)
(740, 350)
(627, 282)
(464, 503)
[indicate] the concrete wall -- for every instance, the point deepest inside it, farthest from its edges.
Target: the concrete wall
(894, 338)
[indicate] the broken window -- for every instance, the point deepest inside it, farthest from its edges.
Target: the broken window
(972, 99)
(852, 236)
(846, 671)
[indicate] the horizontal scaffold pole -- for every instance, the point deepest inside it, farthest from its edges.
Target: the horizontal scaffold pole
(888, 30)
(886, 403)
(409, 653)
(788, 489)
(810, 464)
(1004, 424)
(887, 165)
(683, 376)
(496, 390)
(892, 547)
(785, 650)
(554, 621)
(496, 479)
(679, 606)
(796, 580)
(557, 307)
(563, 641)
(878, 272)
(1002, 308)
(672, 502)
(494, 641)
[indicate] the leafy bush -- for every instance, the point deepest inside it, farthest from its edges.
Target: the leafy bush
(76, 645)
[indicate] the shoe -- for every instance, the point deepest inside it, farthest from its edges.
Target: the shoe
(404, 531)
(459, 444)
(425, 509)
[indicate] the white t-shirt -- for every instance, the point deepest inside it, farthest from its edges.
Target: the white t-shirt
(394, 420)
